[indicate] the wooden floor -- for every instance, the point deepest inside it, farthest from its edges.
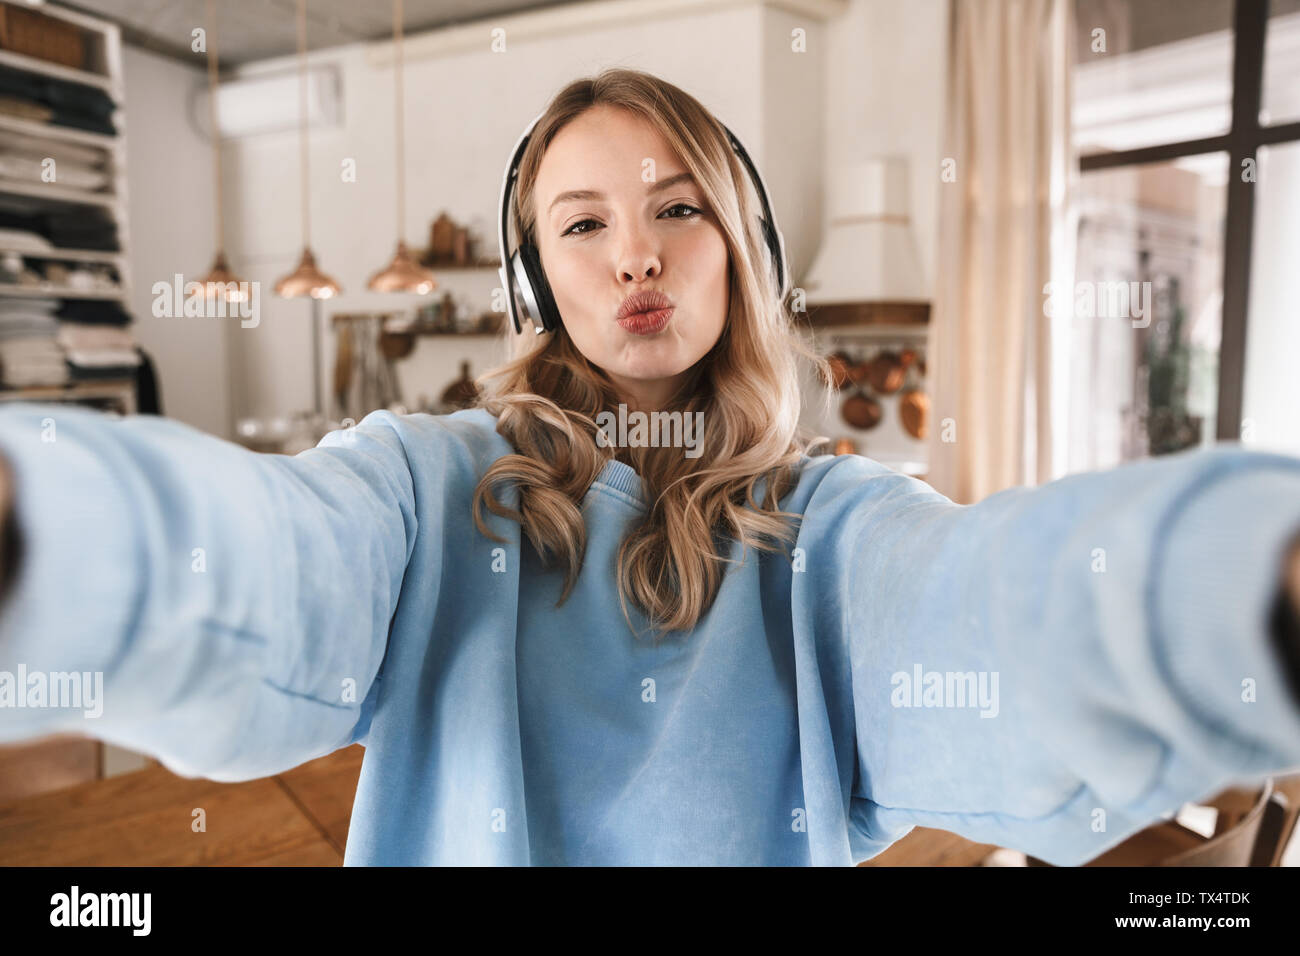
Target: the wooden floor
(298, 818)
(147, 818)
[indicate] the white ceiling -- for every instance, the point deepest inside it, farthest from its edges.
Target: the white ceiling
(257, 29)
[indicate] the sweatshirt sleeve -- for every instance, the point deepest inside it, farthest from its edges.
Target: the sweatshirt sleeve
(222, 610)
(1055, 668)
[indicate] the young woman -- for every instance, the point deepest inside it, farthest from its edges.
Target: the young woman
(561, 645)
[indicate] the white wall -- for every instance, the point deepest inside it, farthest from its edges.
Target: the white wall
(170, 209)
(885, 94)
(793, 89)
(465, 110)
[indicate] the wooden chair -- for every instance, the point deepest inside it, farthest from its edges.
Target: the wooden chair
(1253, 828)
(925, 846)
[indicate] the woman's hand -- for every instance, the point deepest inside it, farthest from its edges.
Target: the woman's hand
(1284, 621)
(1292, 576)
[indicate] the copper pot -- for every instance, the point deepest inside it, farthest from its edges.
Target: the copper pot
(914, 402)
(914, 412)
(396, 345)
(862, 411)
(885, 373)
(841, 365)
(461, 393)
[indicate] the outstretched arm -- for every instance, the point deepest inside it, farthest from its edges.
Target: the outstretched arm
(229, 610)
(1055, 668)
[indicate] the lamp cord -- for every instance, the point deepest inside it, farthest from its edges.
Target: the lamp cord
(302, 121)
(398, 116)
(216, 133)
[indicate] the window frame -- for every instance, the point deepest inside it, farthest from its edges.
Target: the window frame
(1241, 142)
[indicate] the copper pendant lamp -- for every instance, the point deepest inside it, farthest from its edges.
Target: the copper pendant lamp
(306, 279)
(220, 281)
(403, 273)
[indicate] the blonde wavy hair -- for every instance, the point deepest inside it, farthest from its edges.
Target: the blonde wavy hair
(547, 396)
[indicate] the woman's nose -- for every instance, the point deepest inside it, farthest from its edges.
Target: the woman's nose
(638, 258)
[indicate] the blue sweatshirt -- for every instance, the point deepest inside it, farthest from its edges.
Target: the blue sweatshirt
(1051, 669)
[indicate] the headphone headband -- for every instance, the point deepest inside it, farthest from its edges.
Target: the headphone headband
(522, 270)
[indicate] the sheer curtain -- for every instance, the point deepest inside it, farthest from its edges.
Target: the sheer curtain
(1005, 233)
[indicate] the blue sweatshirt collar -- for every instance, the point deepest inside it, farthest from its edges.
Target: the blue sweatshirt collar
(621, 477)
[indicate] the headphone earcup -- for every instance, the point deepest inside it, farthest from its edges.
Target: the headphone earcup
(532, 263)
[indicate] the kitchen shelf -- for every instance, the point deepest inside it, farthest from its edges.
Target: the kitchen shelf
(32, 64)
(865, 333)
(59, 193)
(67, 134)
(853, 315)
(69, 255)
(436, 266)
(102, 69)
(121, 389)
(451, 335)
(58, 292)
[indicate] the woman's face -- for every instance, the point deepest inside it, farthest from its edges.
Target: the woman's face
(614, 219)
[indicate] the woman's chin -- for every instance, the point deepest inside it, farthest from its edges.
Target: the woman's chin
(649, 371)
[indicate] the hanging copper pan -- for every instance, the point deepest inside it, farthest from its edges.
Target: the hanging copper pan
(885, 372)
(862, 411)
(914, 403)
(914, 411)
(858, 372)
(396, 345)
(841, 365)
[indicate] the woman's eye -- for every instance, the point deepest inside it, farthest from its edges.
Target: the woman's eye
(691, 211)
(574, 228)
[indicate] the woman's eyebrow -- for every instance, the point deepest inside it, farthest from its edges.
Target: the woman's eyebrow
(583, 195)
